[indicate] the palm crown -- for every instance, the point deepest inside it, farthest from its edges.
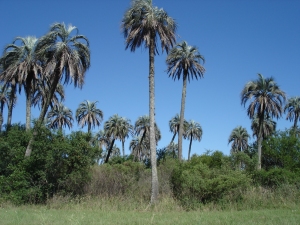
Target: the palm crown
(60, 116)
(239, 139)
(88, 114)
(293, 110)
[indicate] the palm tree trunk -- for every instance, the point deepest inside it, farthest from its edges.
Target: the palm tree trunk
(295, 122)
(154, 177)
(182, 115)
(89, 127)
(28, 103)
(123, 149)
(43, 112)
(109, 150)
(190, 147)
(11, 104)
(1, 115)
(173, 138)
(259, 140)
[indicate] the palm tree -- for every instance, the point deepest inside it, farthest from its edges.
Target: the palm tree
(41, 91)
(193, 132)
(268, 126)
(88, 114)
(293, 110)
(145, 24)
(12, 99)
(22, 66)
(4, 97)
(61, 54)
(139, 149)
(239, 140)
(174, 124)
(266, 99)
(184, 60)
(114, 129)
(142, 128)
(126, 130)
(60, 116)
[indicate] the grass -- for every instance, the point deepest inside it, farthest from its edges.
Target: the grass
(76, 215)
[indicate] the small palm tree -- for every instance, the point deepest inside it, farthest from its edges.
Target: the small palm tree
(145, 24)
(126, 130)
(174, 124)
(60, 116)
(139, 149)
(193, 132)
(293, 110)
(22, 66)
(185, 61)
(266, 99)
(114, 129)
(238, 139)
(88, 114)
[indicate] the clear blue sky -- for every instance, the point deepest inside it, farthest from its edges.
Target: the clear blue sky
(238, 39)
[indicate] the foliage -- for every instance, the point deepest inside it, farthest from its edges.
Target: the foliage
(59, 164)
(195, 183)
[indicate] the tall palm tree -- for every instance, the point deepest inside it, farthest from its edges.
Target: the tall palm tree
(22, 66)
(193, 132)
(174, 125)
(88, 114)
(266, 98)
(268, 126)
(12, 100)
(238, 139)
(114, 129)
(4, 97)
(60, 116)
(184, 60)
(145, 24)
(293, 110)
(62, 55)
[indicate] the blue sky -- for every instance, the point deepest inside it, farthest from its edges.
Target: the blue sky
(238, 38)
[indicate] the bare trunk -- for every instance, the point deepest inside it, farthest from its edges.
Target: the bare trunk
(295, 122)
(259, 140)
(89, 127)
(1, 115)
(190, 147)
(172, 142)
(28, 103)
(43, 111)
(109, 150)
(180, 134)
(11, 104)
(123, 149)
(154, 179)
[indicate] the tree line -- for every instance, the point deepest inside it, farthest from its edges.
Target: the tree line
(41, 66)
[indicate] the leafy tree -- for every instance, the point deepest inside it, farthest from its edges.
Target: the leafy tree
(23, 67)
(60, 116)
(88, 114)
(193, 132)
(266, 98)
(185, 61)
(62, 54)
(145, 24)
(293, 110)
(174, 124)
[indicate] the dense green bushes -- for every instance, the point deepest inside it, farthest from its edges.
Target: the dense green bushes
(58, 164)
(64, 165)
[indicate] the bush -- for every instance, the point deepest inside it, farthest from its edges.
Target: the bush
(194, 183)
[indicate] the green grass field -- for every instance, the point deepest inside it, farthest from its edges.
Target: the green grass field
(77, 215)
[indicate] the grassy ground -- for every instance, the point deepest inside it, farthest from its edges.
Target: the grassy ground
(77, 215)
